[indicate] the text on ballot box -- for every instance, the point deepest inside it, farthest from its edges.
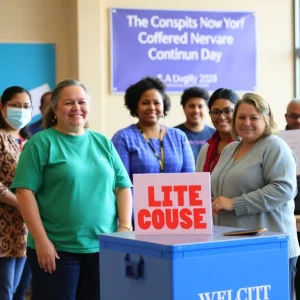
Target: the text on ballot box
(172, 203)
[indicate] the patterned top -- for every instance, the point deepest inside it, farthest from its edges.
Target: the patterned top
(13, 232)
(138, 158)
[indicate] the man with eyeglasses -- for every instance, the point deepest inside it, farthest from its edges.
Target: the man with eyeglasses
(292, 118)
(292, 115)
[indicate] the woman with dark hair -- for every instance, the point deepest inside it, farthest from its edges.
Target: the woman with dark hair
(15, 114)
(148, 146)
(221, 105)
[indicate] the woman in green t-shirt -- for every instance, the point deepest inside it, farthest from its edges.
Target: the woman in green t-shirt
(71, 186)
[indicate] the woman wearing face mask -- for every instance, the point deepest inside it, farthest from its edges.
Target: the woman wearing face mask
(221, 104)
(15, 114)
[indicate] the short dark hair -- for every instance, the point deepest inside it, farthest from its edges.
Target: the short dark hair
(134, 92)
(223, 93)
(7, 95)
(43, 97)
(193, 92)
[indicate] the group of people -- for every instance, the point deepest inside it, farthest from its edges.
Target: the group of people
(70, 183)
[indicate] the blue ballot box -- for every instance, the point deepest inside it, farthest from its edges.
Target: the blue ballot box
(194, 267)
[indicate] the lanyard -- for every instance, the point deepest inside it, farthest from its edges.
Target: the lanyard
(20, 142)
(161, 160)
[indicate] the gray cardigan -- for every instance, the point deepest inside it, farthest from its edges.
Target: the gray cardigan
(262, 185)
(201, 158)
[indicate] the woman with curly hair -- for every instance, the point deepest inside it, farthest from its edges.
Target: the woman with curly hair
(148, 146)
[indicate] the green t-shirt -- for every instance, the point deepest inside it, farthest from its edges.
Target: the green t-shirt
(73, 178)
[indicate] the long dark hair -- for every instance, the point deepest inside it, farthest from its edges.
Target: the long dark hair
(223, 93)
(7, 95)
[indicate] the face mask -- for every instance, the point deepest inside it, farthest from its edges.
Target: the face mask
(18, 117)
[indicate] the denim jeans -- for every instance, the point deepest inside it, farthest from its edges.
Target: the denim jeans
(76, 277)
(297, 277)
(10, 274)
(24, 283)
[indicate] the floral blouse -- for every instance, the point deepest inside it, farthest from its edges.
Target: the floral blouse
(13, 232)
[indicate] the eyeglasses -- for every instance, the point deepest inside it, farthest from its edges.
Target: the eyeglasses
(294, 116)
(19, 105)
(217, 112)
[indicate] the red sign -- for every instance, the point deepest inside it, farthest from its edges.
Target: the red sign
(172, 203)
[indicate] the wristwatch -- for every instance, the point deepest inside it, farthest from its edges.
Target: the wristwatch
(126, 225)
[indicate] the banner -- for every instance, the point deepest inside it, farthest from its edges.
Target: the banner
(172, 203)
(184, 48)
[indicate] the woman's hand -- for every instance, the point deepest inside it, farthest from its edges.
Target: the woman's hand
(10, 199)
(46, 255)
(45, 251)
(222, 203)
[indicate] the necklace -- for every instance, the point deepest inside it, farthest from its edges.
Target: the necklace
(19, 140)
(233, 157)
(161, 160)
(233, 161)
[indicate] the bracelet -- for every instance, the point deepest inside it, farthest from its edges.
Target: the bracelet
(127, 226)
